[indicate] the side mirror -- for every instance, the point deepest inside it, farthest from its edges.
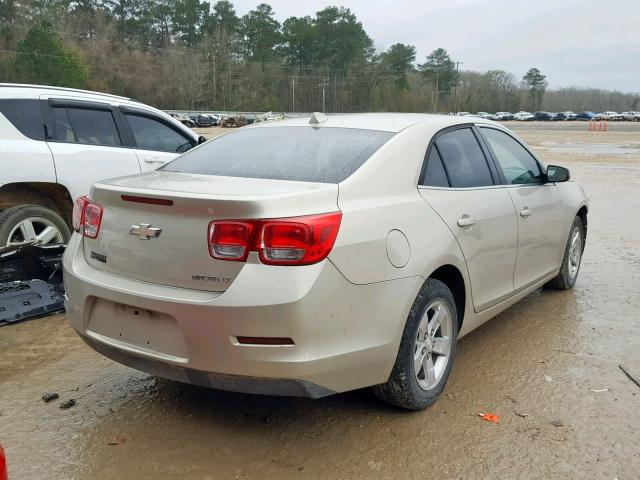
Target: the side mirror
(201, 139)
(557, 174)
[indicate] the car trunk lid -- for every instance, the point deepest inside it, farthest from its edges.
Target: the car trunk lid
(158, 232)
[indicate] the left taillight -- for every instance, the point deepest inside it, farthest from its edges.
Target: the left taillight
(3, 465)
(78, 212)
(87, 216)
(283, 241)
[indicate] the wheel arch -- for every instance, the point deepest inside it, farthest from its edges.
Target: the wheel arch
(582, 213)
(452, 277)
(45, 194)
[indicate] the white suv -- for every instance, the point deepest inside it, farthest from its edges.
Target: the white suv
(56, 142)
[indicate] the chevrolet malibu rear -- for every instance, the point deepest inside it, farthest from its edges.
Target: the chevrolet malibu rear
(294, 258)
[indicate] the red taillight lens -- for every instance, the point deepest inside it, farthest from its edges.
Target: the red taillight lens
(298, 241)
(92, 219)
(230, 240)
(78, 212)
(286, 241)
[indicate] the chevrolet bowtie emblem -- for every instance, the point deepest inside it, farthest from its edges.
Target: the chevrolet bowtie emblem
(145, 231)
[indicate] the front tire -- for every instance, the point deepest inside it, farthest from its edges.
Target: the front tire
(426, 352)
(32, 224)
(568, 274)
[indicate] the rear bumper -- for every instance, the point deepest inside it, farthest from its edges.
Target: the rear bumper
(346, 336)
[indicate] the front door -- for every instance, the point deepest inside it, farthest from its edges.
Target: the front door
(538, 207)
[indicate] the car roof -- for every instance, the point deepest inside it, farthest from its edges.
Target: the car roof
(388, 122)
(20, 90)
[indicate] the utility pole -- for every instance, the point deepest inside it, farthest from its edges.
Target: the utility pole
(455, 91)
(293, 93)
(324, 84)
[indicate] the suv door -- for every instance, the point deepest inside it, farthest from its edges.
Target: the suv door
(86, 144)
(156, 141)
(538, 205)
(459, 182)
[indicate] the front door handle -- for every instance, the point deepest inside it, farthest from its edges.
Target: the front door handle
(153, 160)
(525, 212)
(466, 221)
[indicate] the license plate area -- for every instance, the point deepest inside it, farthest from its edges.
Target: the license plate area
(137, 328)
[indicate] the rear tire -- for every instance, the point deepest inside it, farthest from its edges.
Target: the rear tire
(32, 223)
(568, 274)
(428, 345)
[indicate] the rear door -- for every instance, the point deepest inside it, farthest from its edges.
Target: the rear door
(461, 184)
(538, 206)
(155, 139)
(86, 143)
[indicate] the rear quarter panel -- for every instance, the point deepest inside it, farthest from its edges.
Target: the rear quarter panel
(383, 196)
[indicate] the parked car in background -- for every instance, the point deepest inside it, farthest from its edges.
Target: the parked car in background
(463, 114)
(505, 116)
(291, 275)
(183, 119)
(586, 115)
(214, 119)
(56, 142)
(201, 121)
(523, 116)
(487, 116)
(543, 116)
(631, 116)
(566, 116)
(609, 116)
(234, 121)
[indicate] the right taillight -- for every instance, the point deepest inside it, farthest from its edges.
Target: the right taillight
(298, 240)
(284, 241)
(87, 217)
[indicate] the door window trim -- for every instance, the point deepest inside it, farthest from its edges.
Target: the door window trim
(493, 171)
(48, 104)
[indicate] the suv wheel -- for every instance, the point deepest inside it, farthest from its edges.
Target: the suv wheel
(32, 224)
(426, 350)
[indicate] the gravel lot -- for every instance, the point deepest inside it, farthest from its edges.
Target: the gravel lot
(548, 367)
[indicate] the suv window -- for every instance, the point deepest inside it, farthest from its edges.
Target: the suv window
(517, 164)
(152, 134)
(434, 176)
(463, 159)
(25, 115)
(307, 154)
(82, 125)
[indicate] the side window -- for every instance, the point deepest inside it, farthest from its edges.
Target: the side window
(517, 164)
(434, 175)
(25, 115)
(463, 159)
(62, 126)
(94, 127)
(152, 134)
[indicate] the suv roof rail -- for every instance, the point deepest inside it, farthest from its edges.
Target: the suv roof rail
(64, 89)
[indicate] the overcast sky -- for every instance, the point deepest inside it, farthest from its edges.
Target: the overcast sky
(586, 43)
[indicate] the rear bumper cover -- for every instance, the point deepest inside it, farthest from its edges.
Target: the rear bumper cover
(346, 336)
(235, 383)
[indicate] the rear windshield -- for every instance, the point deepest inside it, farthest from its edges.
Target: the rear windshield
(307, 154)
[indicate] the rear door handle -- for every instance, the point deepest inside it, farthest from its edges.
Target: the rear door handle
(153, 160)
(525, 212)
(466, 221)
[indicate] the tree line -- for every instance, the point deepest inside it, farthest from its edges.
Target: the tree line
(189, 54)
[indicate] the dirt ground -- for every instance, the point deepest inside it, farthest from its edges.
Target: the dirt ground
(548, 367)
